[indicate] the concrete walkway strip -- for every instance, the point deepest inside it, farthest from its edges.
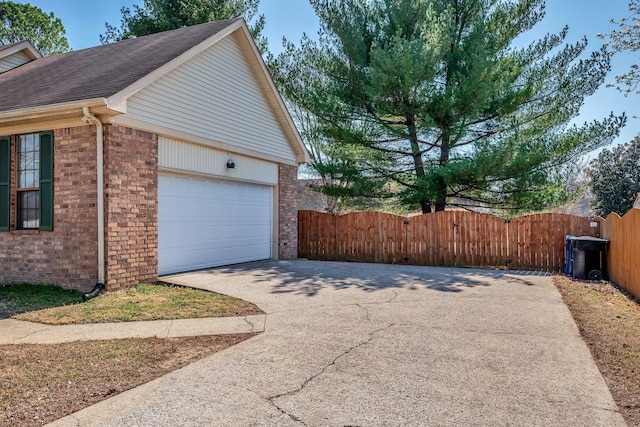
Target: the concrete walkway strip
(19, 332)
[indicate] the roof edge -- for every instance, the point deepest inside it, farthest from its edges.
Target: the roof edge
(20, 46)
(303, 156)
(118, 101)
(44, 110)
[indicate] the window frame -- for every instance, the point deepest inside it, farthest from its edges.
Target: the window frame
(10, 215)
(20, 191)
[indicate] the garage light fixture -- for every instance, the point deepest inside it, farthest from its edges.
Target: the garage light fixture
(230, 164)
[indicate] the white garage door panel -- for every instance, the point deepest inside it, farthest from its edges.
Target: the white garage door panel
(207, 223)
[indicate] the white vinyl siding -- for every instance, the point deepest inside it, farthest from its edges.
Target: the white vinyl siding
(14, 60)
(183, 156)
(215, 96)
(206, 223)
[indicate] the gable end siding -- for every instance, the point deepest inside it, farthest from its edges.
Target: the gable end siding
(186, 157)
(12, 61)
(216, 96)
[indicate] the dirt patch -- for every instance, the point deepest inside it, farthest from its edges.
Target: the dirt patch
(609, 322)
(42, 383)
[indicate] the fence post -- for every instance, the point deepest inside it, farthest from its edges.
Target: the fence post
(508, 260)
(455, 241)
(406, 240)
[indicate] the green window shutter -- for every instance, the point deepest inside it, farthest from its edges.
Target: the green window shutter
(46, 181)
(5, 182)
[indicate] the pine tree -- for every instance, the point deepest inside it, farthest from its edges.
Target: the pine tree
(443, 107)
(155, 16)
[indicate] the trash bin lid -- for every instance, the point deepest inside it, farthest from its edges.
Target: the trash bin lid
(588, 243)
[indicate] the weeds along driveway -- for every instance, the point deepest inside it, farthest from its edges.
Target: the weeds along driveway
(380, 345)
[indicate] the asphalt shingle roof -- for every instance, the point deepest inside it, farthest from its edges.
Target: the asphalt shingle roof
(97, 72)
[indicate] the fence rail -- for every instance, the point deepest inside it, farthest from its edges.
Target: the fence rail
(442, 238)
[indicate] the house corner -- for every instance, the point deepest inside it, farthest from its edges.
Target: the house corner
(131, 207)
(287, 212)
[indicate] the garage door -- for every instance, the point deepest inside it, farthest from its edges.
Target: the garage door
(208, 223)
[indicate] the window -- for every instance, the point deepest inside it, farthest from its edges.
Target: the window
(28, 188)
(33, 184)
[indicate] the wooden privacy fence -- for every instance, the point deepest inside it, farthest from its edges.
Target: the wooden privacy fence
(623, 256)
(442, 238)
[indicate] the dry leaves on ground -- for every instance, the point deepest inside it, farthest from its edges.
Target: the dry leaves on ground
(609, 322)
(41, 383)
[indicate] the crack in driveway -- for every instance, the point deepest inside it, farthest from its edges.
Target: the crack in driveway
(272, 403)
(395, 295)
(293, 417)
(272, 399)
(366, 312)
(332, 363)
(253, 326)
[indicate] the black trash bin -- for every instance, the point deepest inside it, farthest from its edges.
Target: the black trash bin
(568, 266)
(588, 257)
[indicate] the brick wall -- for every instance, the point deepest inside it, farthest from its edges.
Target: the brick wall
(131, 220)
(287, 212)
(66, 256)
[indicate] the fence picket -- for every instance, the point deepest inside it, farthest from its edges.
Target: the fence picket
(441, 238)
(623, 256)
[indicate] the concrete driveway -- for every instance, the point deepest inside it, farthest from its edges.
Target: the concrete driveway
(380, 345)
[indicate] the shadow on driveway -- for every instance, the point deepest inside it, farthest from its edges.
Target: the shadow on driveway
(305, 277)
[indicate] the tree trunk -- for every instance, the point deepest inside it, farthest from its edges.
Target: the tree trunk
(426, 206)
(441, 197)
(418, 165)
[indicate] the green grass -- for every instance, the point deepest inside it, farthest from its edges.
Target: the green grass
(22, 298)
(144, 302)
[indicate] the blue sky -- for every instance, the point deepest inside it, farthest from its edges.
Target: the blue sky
(84, 22)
